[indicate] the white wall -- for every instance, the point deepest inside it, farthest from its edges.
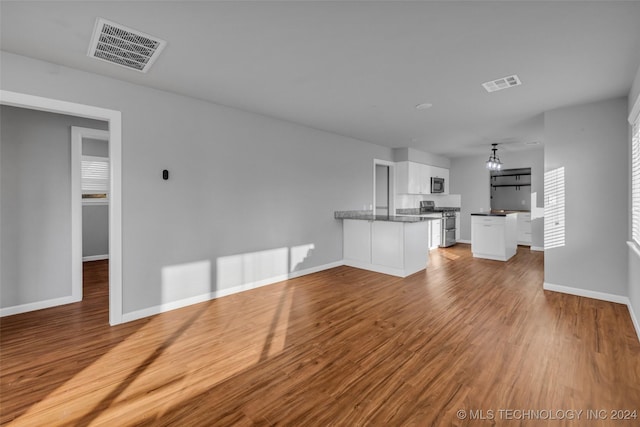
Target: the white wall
(591, 142)
(470, 179)
(35, 257)
(239, 183)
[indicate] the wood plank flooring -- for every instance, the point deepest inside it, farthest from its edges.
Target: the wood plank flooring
(341, 347)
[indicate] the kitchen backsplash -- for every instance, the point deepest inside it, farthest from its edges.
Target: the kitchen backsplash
(405, 201)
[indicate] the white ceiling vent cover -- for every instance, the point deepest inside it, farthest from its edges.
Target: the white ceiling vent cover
(503, 83)
(124, 46)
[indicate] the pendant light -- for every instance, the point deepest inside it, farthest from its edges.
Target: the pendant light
(494, 163)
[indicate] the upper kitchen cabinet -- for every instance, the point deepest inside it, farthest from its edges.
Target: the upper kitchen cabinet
(415, 178)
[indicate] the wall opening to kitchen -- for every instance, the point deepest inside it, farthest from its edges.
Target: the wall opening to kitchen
(510, 189)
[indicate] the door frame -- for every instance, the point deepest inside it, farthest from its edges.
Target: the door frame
(392, 184)
(114, 118)
(77, 135)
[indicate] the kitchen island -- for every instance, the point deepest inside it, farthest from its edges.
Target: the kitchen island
(392, 244)
(494, 235)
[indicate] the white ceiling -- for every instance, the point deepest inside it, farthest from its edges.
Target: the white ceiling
(359, 68)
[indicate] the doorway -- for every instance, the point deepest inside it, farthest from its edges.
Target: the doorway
(383, 188)
(89, 191)
(114, 120)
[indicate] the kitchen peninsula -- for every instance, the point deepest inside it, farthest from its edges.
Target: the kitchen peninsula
(392, 244)
(494, 235)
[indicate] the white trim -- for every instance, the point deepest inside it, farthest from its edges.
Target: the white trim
(634, 319)
(491, 256)
(468, 242)
(114, 118)
(391, 189)
(95, 202)
(38, 305)
(537, 248)
(95, 257)
(620, 299)
(77, 134)
(603, 296)
(146, 312)
(635, 112)
(397, 272)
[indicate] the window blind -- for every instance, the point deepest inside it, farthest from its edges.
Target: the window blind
(635, 182)
(554, 225)
(95, 175)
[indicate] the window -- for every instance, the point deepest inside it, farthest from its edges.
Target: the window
(95, 179)
(554, 208)
(635, 179)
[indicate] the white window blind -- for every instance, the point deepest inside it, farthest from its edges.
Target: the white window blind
(554, 225)
(95, 175)
(635, 182)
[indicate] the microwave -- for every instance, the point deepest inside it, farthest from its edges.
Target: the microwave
(437, 185)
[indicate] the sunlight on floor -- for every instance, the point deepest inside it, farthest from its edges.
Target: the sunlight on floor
(166, 362)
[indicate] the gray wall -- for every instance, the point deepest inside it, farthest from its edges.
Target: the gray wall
(35, 198)
(633, 288)
(240, 182)
(470, 178)
(95, 230)
(95, 147)
(95, 218)
(591, 142)
(412, 155)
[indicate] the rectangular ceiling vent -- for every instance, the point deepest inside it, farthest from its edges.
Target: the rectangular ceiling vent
(503, 83)
(124, 46)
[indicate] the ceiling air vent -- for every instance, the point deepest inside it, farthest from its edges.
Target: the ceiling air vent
(124, 46)
(503, 83)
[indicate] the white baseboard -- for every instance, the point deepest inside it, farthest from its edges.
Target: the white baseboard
(38, 305)
(603, 296)
(468, 242)
(95, 257)
(537, 248)
(620, 299)
(173, 305)
(397, 272)
(634, 319)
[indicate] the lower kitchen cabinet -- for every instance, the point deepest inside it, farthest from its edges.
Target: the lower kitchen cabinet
(435, 233)
(494, 237)
(524, 228)
(395, 248)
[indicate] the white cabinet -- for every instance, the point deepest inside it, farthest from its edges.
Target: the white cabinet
(435, 233)
(413, 178)
(524, 228)
(357, 240)
(396, 248)
(494, 237)
(387, 241)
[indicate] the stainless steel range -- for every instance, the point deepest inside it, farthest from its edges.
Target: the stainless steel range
(448, 221)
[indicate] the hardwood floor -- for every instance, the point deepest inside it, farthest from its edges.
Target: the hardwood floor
(339, 347)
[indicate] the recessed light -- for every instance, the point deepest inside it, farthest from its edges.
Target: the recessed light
(424, 106)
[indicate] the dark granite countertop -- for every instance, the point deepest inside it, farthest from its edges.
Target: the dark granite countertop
(369, 216)
(492, 213)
